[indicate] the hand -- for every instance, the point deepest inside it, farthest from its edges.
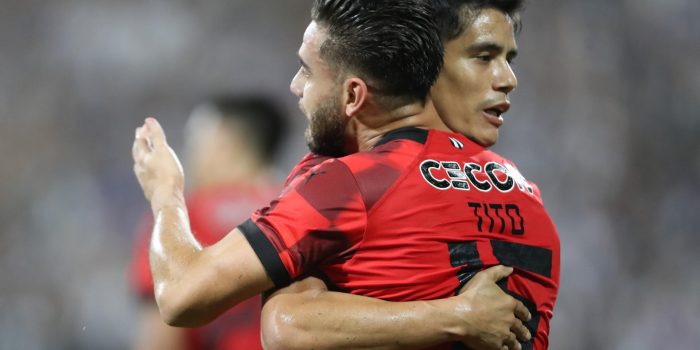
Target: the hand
(156, 166)
(493, 318)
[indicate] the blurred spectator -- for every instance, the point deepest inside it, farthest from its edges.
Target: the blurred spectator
(230, 143)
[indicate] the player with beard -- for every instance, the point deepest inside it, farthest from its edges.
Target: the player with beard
(470, 96)
(326, 133)
(342, 219)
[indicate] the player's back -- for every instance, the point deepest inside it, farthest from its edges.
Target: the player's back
(439, 209)
(412, 219)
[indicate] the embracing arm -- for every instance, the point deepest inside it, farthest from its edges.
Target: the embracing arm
(154, 334)
(306, 315)
(192, 284)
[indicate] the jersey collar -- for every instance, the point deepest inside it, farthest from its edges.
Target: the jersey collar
(409, 133)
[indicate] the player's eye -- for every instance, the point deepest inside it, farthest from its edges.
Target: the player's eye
(484, 57)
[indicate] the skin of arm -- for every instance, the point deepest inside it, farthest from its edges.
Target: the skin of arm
(306, 315)
(192, 285)
(154, 334)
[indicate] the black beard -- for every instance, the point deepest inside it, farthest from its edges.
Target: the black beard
(326, 132)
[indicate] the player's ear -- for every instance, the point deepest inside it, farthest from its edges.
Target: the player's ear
(354, 96)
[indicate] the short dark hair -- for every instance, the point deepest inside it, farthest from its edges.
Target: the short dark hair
(261, 119)
(454, 16)
(393, 44)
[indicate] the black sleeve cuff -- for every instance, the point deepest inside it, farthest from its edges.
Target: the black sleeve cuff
(266, 253)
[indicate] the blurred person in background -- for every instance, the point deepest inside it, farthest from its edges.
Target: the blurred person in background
(231, 142)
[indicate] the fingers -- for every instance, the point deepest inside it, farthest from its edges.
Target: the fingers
(522, 312)
(148, 136)
(155, 132)
(512, 342)
(520, 331)
(496, 273)
(140, 147)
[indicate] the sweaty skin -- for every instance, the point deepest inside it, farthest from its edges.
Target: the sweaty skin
(220, 158)
(306, 315)
(193, 285)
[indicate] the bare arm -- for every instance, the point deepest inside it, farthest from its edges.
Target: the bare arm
(306, 315)
(155, 334)
(192, 284)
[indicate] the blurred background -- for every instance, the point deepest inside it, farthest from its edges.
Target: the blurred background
(605, 120)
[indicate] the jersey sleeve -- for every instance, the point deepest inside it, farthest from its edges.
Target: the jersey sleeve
(319, 217)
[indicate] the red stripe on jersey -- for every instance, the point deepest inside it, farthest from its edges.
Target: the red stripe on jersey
(324, 188)
(321, 215)
(375, 177)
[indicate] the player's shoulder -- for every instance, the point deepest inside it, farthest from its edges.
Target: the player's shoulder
(459, 145)
(455, 145)
(376, 171)
(497, 157)
(456, 148)
(309, 161)
(327, 171)
(512, 170)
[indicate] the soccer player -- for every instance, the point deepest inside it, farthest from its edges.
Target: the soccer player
(325, 216)
(470, 95)
(230, 144)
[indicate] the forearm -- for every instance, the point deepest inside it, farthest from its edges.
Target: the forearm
(153, 333)
(330, 320)
(172, 248)
(192, 285)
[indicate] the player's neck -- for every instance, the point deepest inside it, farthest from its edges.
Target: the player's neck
(417, 115)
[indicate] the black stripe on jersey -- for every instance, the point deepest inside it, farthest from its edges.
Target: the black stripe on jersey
(410, 133)
(529, 258)
(534, 321)
(266, 252)
(463, 253)
(466, 255)
(526, 257)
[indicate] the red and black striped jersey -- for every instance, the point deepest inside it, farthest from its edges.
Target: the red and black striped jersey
(412, 219)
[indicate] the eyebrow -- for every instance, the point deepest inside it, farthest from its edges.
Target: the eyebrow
(492, 47)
